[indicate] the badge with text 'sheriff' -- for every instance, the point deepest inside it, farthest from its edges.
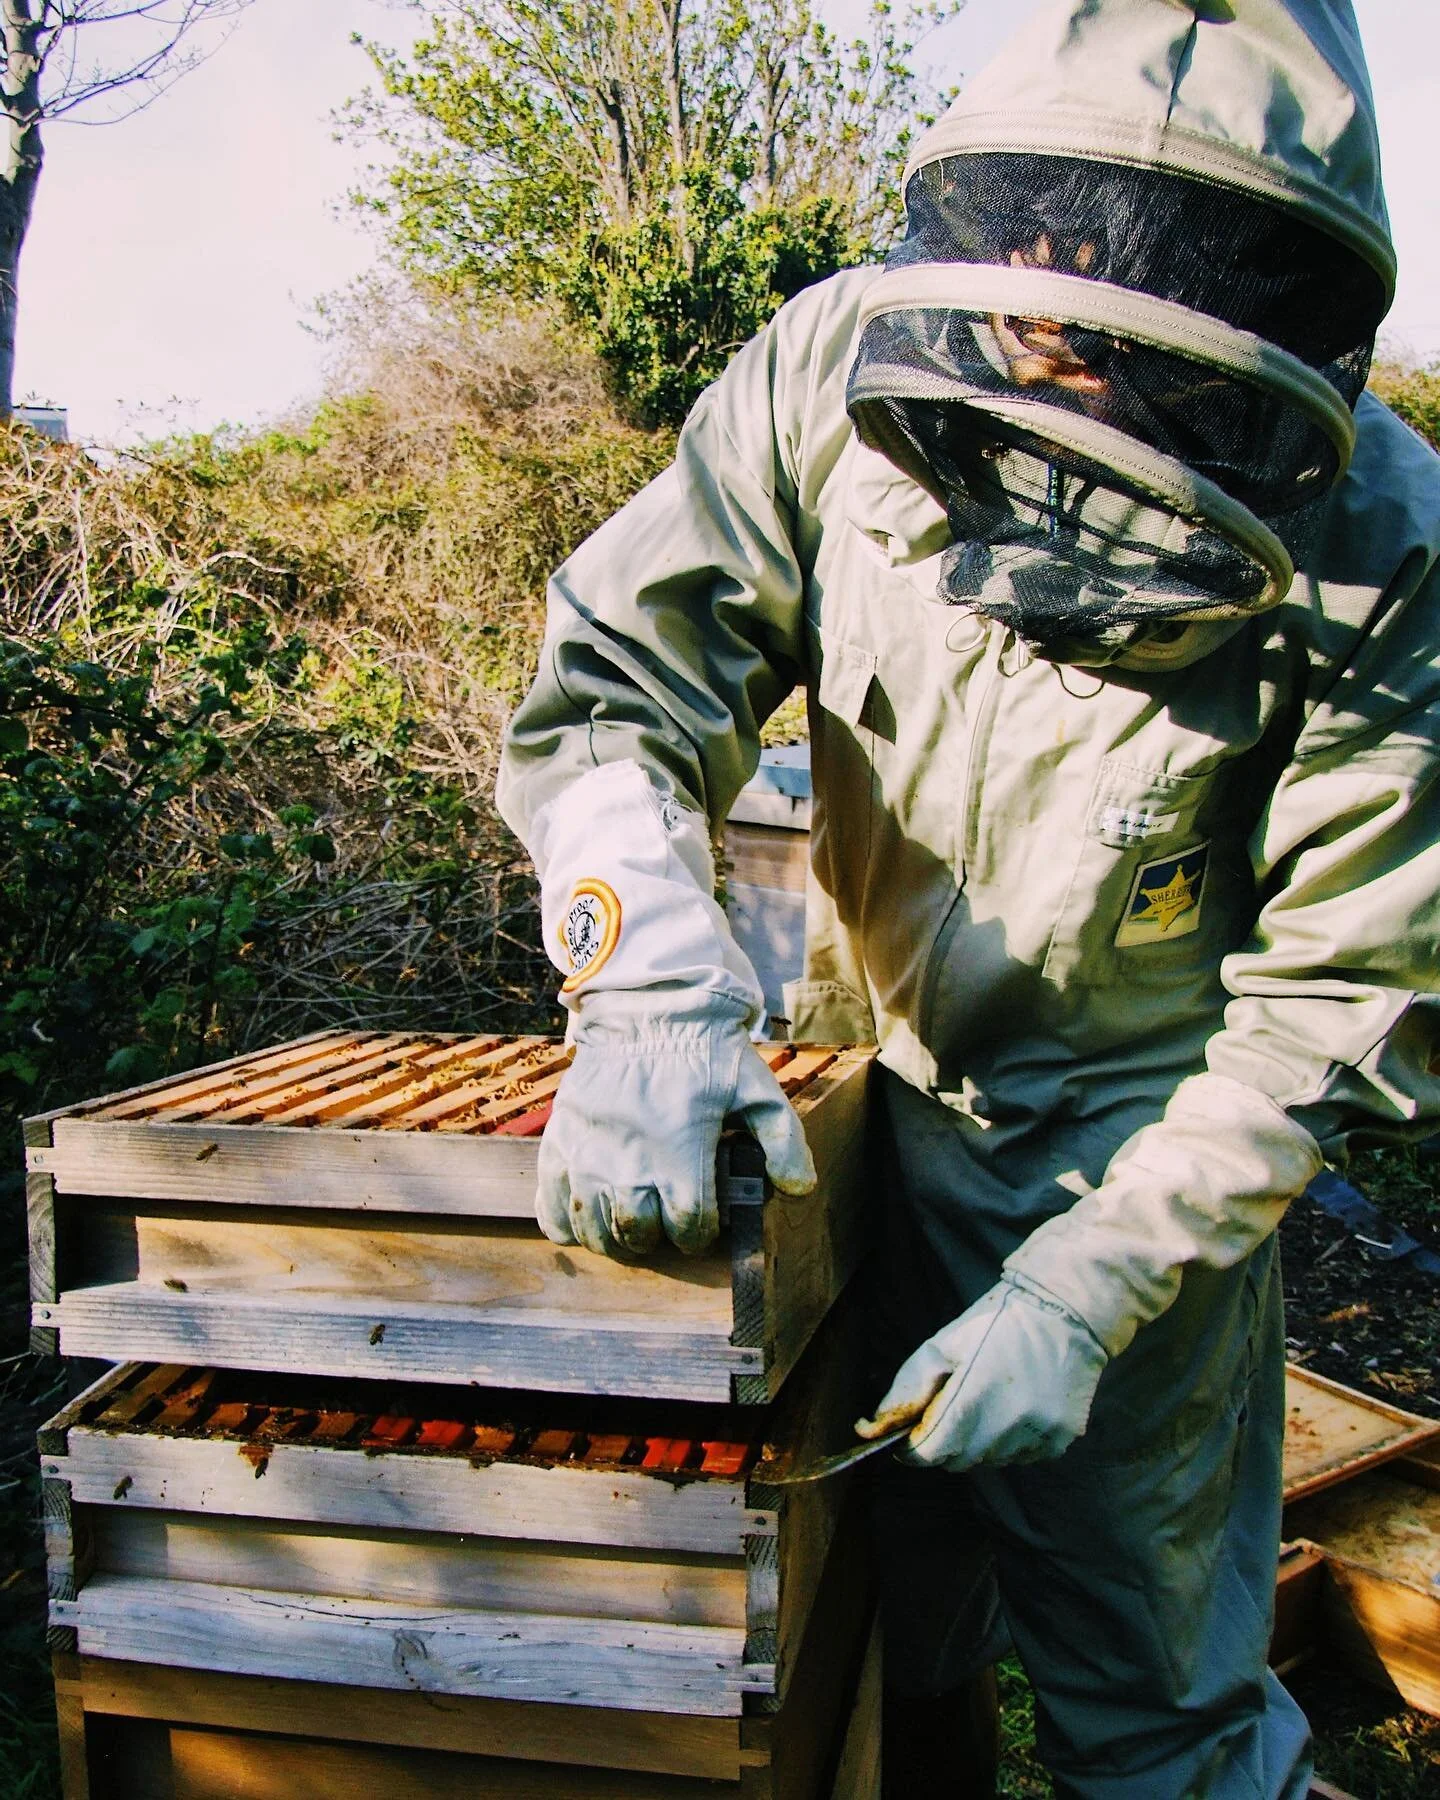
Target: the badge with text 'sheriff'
(589, 931)
(1165, 899)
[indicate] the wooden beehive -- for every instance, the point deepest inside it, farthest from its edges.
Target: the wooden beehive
(1332, 1433)
(1362, 1506)
(360, 1203)
(131, 1732)
(1377, 1591)
(558, 1582)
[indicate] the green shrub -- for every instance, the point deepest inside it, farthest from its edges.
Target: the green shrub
(251, 692)
(1412, 391)
(669, 173)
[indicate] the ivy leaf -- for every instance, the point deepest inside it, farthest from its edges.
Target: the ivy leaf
(319, 846)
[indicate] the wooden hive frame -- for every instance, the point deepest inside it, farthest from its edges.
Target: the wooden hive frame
(361, 1203)
(1372, 1551)
(1360, 1484)
(1332, 1433)
(132, 1732)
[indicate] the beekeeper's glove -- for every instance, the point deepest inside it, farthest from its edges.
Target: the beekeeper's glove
(1009, 1381)
(662, 1002)
(1013, 1378)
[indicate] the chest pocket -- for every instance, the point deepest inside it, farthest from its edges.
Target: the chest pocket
(842, 752)
(1155, 894)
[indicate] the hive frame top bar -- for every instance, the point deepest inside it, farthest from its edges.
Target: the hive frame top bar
(479, 1085)
(362, 1121)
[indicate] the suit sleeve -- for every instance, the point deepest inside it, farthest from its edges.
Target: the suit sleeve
(675, 630)
(1333, 1029)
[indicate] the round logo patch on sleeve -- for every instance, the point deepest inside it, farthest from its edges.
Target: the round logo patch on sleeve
(589, 931)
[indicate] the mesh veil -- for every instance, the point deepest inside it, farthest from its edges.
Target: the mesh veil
(944, 390)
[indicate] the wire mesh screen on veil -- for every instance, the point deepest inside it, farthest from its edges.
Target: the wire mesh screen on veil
(927, 378)
(1214, 249)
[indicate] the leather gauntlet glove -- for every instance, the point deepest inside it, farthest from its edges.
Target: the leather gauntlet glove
(628, 1157)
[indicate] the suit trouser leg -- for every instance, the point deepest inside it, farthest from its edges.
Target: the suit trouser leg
(1135, 1573)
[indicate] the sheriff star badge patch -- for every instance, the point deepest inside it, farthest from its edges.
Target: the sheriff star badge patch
(1165, 899)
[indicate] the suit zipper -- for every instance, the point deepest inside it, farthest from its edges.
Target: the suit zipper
(987, 703)
(982, 713)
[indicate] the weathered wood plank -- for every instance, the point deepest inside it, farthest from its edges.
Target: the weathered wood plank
(800, 1739)
(1298, 1630)
(503, 1346)
(1380, 1536)
(380, 1262)
(813, 1243)
(60, 1571)
(399, 1491)
(768, 856)
(1384, 1631)
(857, 1775)
(586, 1662)
(661, 1743)
(70, 1726)
(277, 1165)
(1332, 1432)
(413, 1568)
(813, 1416)
(40, 1227)
(154, 1761)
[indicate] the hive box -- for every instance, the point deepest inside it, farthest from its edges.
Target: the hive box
(577, 1582)
(1378, 1536)
(1332, 1433)
(361, 1204)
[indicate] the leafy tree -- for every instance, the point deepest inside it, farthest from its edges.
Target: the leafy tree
(101, 59)
(670, 170)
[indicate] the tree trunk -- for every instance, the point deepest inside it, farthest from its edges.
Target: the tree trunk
(670, 29)
(21, 156)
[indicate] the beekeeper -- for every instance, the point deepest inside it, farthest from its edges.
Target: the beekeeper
(1114, 597)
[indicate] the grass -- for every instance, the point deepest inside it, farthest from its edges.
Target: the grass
(1404, 1184)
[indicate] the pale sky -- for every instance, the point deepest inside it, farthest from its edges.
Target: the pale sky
(174, 257)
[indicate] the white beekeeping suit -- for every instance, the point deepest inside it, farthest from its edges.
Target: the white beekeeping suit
(1115, 600)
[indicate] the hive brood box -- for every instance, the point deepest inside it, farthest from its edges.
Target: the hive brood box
(576, 1582)
(360, 1203)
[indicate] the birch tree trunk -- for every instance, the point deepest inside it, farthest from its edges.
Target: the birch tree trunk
(20, 160)
(670, 30)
